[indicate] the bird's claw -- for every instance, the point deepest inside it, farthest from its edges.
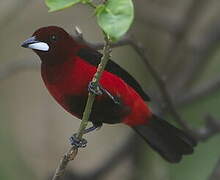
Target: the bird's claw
(76, 142)
(95, 88)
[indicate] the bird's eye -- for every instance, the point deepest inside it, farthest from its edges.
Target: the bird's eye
(53, 37)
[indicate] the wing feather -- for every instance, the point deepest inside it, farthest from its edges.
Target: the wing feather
(94, 58)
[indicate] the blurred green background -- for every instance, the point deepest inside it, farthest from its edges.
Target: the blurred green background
(182, 41)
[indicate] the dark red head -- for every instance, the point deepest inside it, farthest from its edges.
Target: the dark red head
(52, 44)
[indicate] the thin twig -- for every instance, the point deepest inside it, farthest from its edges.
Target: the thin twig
(71, 154)
(122, 153)
(96, 78)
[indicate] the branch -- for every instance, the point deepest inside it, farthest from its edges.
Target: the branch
(96, 78)
(71, 154)
(161, 84)
(121, 154)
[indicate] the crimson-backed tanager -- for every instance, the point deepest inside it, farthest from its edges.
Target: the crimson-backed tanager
(67, 68)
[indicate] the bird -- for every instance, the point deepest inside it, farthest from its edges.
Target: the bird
(67, 69)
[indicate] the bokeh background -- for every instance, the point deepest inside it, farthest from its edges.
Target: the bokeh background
(182, 41)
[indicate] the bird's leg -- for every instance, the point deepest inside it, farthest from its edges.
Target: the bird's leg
(90, 129)
(95, 88)
(75, 141)
(95, 126)
(81, 143)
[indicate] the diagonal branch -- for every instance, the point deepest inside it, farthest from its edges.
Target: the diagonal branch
(162, 86)
(72, 152)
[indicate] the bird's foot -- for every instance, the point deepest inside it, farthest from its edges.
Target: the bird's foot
(96, 89)
(76, 142)
(81, 143)
(90, 129)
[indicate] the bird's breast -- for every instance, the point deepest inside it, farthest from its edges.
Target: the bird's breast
(71, 77)
(68, 79)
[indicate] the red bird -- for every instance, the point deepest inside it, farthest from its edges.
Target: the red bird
(67, 67)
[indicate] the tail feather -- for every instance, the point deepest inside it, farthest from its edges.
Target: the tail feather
(170, 142)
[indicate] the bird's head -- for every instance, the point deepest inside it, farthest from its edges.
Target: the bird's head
(52, 44)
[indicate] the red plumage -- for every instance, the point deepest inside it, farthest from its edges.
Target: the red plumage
(73, 77)
(68, 67)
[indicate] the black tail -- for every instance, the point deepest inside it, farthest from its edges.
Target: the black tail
(171, 143)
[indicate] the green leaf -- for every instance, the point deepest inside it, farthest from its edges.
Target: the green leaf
(99, 9)
(55, 5)
(116, 17)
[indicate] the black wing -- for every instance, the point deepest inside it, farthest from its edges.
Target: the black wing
(93, 57)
